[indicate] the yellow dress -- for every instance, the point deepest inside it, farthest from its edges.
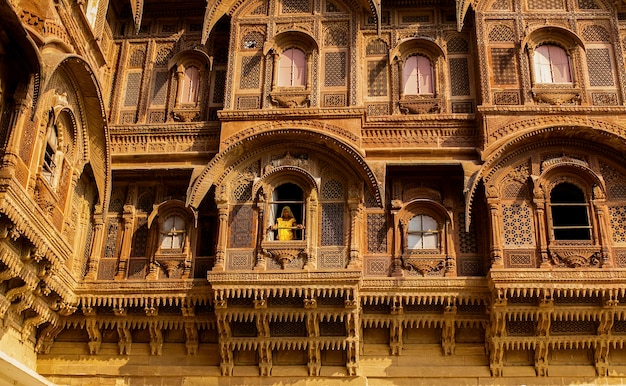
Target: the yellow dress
(285, 231)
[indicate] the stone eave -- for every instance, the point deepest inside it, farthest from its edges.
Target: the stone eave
(295, 113)
(143, 293)
(550, 110)
(560, 282)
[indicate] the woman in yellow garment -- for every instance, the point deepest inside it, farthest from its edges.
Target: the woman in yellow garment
(285, 224)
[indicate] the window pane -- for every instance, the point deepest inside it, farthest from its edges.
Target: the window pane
(570, 216)
(414, 241)
(429, 224)
(430, 241)
(409, 76)
(572, 234)
(284, 68)
(541, 60)
(415, 224)
(560, 65)
(425, 75)
(299, 68)
(190, 85)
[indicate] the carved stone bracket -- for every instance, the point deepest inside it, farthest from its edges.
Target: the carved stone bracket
(576, 258)
(557, 95)
(284, 252)
(291, 98)
(420, 105)
(424, 265)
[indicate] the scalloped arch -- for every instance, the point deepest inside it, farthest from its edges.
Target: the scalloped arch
(604, 141)
(226, 161)
(92, 112)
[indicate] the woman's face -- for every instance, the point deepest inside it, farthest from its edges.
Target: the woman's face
(286, 213)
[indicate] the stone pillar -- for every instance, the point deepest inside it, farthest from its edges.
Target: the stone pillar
(96, 244)
(222, 236)
(539, 199)
(128, 218)
(356, 219)
(493, 205)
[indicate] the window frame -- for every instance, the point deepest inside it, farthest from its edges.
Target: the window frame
(586, 204)
(277, 205)
(548, 69)
(418, 77)
(422, 233)
(289, 62)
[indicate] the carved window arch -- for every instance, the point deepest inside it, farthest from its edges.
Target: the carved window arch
(554, 56)
(569, 210)
(190, 69)
(294, 56)
(423, 228)
(419, 68)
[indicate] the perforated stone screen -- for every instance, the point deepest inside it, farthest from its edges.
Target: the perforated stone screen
(599, 65)
(459, 77)
(250, 72)
(504, 65)
(334, 69)
(377, 78)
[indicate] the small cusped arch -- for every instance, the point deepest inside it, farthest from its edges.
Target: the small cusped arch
(170, 208)
(558, 36)
(574, 171)
(291, 39)
(417, 45)
(187, 58)
(282, 174)
(424, 206)
(257, 143)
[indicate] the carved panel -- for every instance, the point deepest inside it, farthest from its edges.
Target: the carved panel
(504, 65)
(377, 77)
(459, 77)
(331, 258)
(377, 266)
(241, 226)
(520, 259)
(332, 224)
(518, 225)
(376, 233)
(238, 260)
(599, 65)
(617, 215)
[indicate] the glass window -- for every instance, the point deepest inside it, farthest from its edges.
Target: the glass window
(51, 158)
(570, 216)
(191, 83)
(551, 65)
(417, 76)
(292, 68)
(423, 233)
(287, 213)
(173, 235)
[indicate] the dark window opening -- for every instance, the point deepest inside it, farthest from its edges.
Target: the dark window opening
(570, 215)
(287, 213)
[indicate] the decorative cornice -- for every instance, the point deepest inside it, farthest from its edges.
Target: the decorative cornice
(293, 113)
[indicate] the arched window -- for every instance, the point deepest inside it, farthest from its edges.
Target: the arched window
(551, 65)
(190, 86)
(417, 76)
(173, 233)
(52, 157)
(570, 213)
(287, 213)
(292, 68)
(422, 233)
